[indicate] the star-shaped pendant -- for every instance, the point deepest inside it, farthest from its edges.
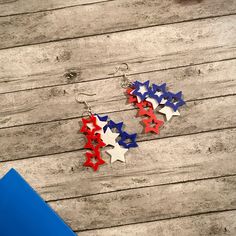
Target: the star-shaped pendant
(131, 98)
(145, 108)
(175, 100)
(97, 160)
(141, 90)
(112, 125)
(128, 137)
(152, 124)
(94, 142)
(109, 138)
(90, 125)
(156, 94)
(117, 153)
(169, 112)
(101, 121)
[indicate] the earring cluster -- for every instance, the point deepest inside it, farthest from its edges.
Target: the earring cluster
(100, 131)
(149, 98)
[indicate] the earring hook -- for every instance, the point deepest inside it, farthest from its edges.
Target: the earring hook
(125, 82)
(88, 107)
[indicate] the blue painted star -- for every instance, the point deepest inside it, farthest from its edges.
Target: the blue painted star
(112, 125)
(124, 137)
(174, 100)
(141, 89)
(102, 118)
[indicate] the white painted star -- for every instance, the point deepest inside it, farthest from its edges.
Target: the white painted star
(153, 101)
(169, 112)
(108, 137)
(117, 153)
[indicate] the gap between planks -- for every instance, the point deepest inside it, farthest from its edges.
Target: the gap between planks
(215, 223)
(158, 48)
(124, 15)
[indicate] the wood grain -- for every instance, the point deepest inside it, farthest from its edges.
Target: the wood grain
(13, 7)
(93, 58)
(148, 204)
(61, 136)
(80, 21)
(56, 103)
(155, 162)
(217, 224)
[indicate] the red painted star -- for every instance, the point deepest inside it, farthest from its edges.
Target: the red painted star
(94, 142)
(91, 157)
(148, 124)
(91, 120)
(132, 99)
(145, 108)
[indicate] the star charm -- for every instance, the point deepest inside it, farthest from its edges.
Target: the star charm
(145, 108)
(112, 125)
(109, 138)
(128, 137)
(100, 121)
(175, 100)
(117, 153)
(89, 125)
(148, 124)
(94, 142)
(169, 112)
(93, 156)
(132, 99)
(141, 90)
(156, 94)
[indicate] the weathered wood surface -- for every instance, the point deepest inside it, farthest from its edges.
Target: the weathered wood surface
(56, 103)
(92, 19)
(155, 48)
(148, 204)
(182, 182)
(13, 7)
(61, 136)
(217, 224)
(187, 158)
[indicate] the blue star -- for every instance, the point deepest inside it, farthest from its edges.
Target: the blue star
(125, 136)
(157, 88)
(138, 86)
(174, 100)
(102, 118)
(112, 125)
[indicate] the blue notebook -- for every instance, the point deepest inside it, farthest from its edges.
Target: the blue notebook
(24, 213)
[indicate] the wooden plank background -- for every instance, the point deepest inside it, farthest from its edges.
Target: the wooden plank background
(182, 182)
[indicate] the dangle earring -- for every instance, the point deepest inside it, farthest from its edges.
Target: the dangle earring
(100, 131)
(150, 98)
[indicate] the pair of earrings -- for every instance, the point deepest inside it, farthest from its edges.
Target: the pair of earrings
(101, 131)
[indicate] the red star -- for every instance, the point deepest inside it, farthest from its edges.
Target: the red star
(132, 99)
(148, 122)
(96, 156)
(142, 111)
(91, 120)
(94, 139)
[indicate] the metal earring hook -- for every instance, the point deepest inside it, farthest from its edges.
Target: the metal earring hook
(125, 82)
(89, 109)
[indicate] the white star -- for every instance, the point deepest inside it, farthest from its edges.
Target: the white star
(117, 153)
(108, 137)
(153, 101)
(169, 112)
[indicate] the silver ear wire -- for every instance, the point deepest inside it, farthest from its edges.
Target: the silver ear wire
(125, 80)
(87, 106)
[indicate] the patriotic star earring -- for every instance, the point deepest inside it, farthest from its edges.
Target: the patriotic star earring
(100, 131)
(150, 99)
